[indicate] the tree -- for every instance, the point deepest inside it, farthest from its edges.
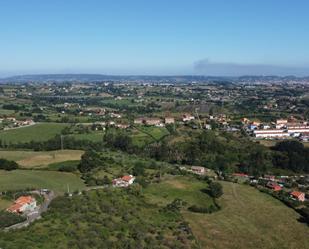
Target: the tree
(138, 169)
(8, 165)
(215, 189)
(90, 160)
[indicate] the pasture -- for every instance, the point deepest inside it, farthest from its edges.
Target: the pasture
(170, 188)
(57, 181)
(38, 132)
(39, 159)
(248, 219)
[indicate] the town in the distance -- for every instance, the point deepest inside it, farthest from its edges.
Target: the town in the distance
(98, 161)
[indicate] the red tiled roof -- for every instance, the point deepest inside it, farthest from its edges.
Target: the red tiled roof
(296, 193)
(24, 200)
(126, 178)
(14, 207)
(239, 174)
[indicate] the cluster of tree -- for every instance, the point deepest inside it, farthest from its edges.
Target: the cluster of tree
(90, 160)
(8, 165)
(291, 155)
(119, 140)
(220, 152)
(13, 107)
(215, 189)
(206, 210)
(68, 142)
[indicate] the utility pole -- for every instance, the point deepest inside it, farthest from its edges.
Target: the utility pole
(198, 117)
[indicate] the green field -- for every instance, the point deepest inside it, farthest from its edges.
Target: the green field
(187, 189)
(35, 159)
(93, 136)
(140, 139)
(57, 181)
(155, 132)
(38, 132)
(249, 219)
(144, 135)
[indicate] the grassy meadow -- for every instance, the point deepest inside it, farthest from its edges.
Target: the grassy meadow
(92, 136)
(38, 132)
(39, 159)
(170, 188)
(57, 181)
(249, 219)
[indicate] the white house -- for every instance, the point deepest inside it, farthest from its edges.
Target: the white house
(124, 181)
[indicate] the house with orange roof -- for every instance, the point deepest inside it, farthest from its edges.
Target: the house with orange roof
(299, 196)
(274, 186)
(124, 181)
(23, 204)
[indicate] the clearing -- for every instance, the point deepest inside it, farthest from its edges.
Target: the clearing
(170, 188)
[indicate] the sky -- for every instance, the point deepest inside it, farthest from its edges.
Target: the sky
(155, 37)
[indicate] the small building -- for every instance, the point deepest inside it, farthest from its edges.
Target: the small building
(240, 175)
(169, 120)
(124, 181)
(23, 204)
(198, 170)
(187, 117)
(299, 196)
(207, 126)
(153, 121)
(274, 186)
(139, 121)
(245, 120)
(122, 126)
(252, 127)
(280, 123)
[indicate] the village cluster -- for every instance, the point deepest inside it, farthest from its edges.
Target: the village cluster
(281, 129)
(288, 184)
(291, 185)
(7, 123)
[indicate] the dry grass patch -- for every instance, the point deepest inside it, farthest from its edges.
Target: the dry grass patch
(34, 159)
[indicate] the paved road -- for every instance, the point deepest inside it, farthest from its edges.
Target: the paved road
(36, 214)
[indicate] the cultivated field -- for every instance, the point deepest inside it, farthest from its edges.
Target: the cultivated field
(35, 159)
(38, 132)
(249, 219)
(57, 181)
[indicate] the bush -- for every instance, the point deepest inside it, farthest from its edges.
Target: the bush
(8, 219)
(215, 189)
(206, 210)
(8, 165)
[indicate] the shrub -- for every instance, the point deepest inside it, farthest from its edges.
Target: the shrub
(8, 219)
(215, 189)
(8, 165)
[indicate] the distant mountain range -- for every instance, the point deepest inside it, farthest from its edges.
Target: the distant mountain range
(101, 77)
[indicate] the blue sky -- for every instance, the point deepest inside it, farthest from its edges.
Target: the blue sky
(154, 37)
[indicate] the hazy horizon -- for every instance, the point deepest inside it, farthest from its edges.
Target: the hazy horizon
(155, 38)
